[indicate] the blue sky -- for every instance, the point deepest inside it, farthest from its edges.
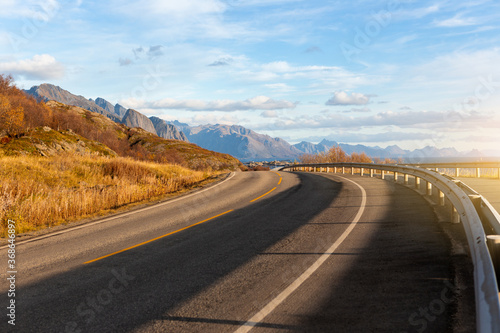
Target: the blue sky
(412, 73)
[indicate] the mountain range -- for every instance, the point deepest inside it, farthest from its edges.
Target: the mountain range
(117, 113)
(240, 142)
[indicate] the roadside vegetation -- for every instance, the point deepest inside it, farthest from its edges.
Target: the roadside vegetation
(336, 155)
(41, 192)
(61, 163)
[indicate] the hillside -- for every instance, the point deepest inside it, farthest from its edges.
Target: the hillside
(61, 163)
(44, 141)
(138, 143)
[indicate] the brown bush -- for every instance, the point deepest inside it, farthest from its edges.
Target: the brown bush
(11, 118)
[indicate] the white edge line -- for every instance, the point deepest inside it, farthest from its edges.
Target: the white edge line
(119, 215)
(266, 310)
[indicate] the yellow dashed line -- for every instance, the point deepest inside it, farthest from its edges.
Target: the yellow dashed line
(152, 240)
(176, 231)
(263, 195)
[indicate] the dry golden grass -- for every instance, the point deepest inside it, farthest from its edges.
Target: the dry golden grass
(40, 192)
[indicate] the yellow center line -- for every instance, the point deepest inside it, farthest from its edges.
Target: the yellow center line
(280, 180)
(154, 239)
(263, 195)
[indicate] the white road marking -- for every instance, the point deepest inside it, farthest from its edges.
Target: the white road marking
(296, 284)
(120, 215)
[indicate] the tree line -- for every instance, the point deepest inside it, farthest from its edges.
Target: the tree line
(337, 155)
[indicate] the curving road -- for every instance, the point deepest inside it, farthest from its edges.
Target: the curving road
(262, 251)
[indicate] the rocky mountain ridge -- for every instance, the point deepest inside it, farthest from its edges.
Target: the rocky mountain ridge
(117, 113)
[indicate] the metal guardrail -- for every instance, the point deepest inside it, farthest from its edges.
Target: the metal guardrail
(487, 213)
(477, 166)
(485, 282)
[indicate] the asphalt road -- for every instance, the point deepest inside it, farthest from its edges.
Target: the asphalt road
(261, 251)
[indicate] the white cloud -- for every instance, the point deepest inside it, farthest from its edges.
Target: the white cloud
(41, 67)
(269, 114)
(255, 103)
(343, 98)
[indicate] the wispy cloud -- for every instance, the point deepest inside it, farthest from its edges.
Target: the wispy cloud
(221, 62)
(125, 61)
(255, 103)
(456, 21)
(407, 119)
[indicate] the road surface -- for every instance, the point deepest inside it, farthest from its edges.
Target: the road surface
(262, 251)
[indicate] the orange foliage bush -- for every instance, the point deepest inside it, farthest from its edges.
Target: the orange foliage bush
(335, 155)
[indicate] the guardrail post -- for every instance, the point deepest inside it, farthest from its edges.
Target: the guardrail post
(382, 174)
(417, 182)
(476, 201)
(457, 172)
(441, 198)
(352, 171)
(493, 242)
(455, 217)
(395, 177)
(343, 170)
(478, 172)
(327, 169)
(406, 179)
(362, 171)
(371, 173)
(429, 189)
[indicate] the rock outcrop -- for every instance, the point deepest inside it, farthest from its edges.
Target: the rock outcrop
(167, 131)
(133, 118)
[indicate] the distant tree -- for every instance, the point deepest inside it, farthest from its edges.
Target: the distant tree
(360, 158)
(11, 118)
(336, 154)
